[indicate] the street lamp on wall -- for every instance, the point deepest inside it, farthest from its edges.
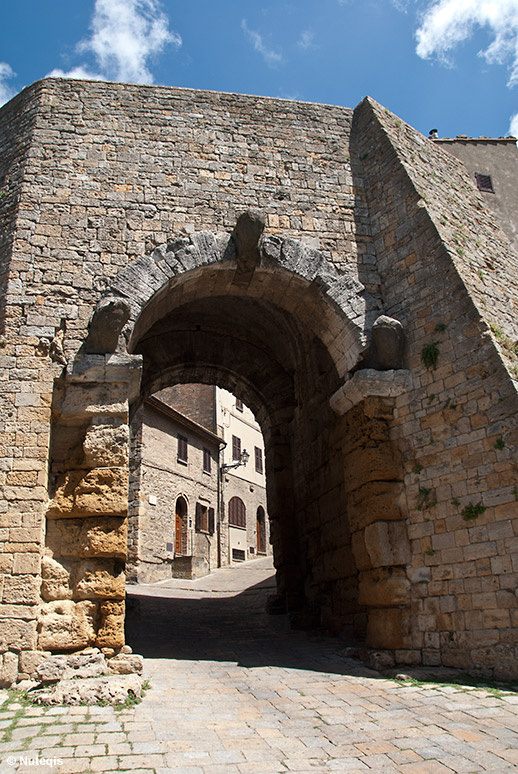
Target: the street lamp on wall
(243, 459)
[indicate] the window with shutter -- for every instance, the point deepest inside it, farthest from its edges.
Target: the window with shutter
(212, 525)
(197, 518)
(206, 461)
(202, 518)
(236, 448)
(236, 512)
(182, 449)
(258, 460)
(239, 404)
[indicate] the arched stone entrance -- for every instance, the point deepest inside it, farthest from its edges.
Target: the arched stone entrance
(286, 331)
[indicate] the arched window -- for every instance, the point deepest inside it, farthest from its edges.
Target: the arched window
(236, 512)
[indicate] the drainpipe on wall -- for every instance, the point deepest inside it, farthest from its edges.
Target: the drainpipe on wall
(220, 499)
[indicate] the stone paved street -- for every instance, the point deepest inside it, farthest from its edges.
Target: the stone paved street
(234, 691)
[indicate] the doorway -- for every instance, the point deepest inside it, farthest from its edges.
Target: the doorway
(179, 527)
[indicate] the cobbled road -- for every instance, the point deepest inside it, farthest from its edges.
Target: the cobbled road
(235, 691)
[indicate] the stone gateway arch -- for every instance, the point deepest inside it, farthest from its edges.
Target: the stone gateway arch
(339, 273)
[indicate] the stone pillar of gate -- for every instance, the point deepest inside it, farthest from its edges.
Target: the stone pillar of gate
(374, 483)
(83, 579)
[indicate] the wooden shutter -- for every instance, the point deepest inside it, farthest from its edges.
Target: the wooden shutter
(198, 517)
(211, 521)
(182, 448)
(236, 448)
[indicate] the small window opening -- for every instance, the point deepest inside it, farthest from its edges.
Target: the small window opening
(484, 183)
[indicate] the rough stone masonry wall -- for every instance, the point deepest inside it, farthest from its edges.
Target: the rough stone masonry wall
(92, 198)
(26, 383)
(155, 487)
(450, 276)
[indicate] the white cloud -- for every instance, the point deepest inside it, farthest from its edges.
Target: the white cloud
(126, 34)
(271, 57)
(76, 72)
(306, 39)
(6, 72)
(513, 126)
(447, 23)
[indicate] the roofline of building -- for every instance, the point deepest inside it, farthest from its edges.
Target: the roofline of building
(171, 413)
(462, 138)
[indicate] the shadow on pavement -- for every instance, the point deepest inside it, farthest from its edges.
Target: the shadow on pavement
(235, 628)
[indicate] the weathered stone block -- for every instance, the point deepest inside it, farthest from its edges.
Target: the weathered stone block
(17, 634)
(94, 400)
(56, 580)
(85, 665)
(99, 580)
(360, 553)
(21, 590)
(96, 536)
(380, 588)
(8, 668)
(51, 669)
(106, 443)
(388, 343)
(99, 491)
(377, 501)
(387, 543)
(111, 625)
(126, 664)
(110, 689)
(67, 625)
(373, 463)
(26, 564)
(30, 660)
(389, 628)
(380, 660)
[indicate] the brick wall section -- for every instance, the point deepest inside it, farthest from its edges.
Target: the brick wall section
(196, 401)
(449, 277)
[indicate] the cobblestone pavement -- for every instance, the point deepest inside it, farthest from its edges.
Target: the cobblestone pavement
(234, 691)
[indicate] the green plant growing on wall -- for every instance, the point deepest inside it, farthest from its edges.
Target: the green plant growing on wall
(455, 502)
(424, 499)
(509, 346)
(473, 511)
(440, 327)
(417, 469)
(500, 444)
(430, 355)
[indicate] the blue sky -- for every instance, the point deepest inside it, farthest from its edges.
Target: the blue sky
(445, 64)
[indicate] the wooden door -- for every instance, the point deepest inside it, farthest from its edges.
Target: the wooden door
(178, 534)
(260, 527)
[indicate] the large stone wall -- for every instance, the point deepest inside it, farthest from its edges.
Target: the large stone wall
(391, 488)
